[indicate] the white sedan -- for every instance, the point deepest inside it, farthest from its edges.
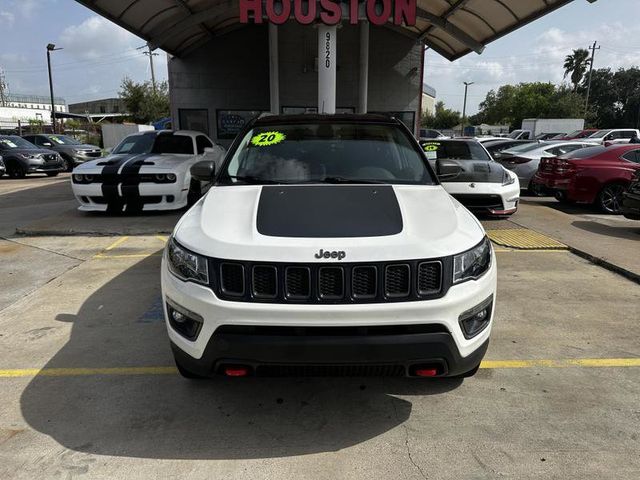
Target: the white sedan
(469, 174)
(146, 171)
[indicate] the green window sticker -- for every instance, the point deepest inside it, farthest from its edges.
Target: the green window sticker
(266, 139)
(431, 147)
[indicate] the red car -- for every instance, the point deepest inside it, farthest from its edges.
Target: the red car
(578, 134)
(597, 175)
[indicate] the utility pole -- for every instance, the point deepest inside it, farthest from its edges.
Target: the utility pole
(593, 56)
(464, 107)
(51, 48)
(3, 90)
(149, 53)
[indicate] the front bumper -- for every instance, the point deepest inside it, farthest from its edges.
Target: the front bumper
(489, 198)
(439, 338)
(46, 167)
(144, 196)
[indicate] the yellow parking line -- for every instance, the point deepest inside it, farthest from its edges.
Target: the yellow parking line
(565, 363)
(505, 250)
(116, 243)
(162, 238)
(77, 372)
(133, 255)
(486, 364)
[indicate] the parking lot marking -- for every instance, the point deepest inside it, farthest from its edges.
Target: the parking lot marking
(565, 363)
(486, 365)
(524, 239)
(507, 250)
(78, 372)
(116, 243)
(133, 255)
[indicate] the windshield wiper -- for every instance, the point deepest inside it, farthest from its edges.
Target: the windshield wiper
(350, 180)
(255, 180)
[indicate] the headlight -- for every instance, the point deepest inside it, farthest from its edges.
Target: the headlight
(31, 156)
(509, 178)
(77, 178)
(473, 263)
(186, 265)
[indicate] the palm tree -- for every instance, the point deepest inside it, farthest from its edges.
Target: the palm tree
(576, 65)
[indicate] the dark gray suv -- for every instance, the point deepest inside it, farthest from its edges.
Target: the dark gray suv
(22, 158)
(71, 150)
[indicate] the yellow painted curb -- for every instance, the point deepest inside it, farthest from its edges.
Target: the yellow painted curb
(524, 239)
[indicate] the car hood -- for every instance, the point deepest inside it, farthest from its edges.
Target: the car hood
(150, 163)
(292, 223)
(479, 171)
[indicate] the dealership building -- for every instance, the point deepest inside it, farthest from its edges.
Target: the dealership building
(230, 60)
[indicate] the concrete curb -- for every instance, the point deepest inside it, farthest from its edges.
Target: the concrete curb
(628, 274)
(26, 232)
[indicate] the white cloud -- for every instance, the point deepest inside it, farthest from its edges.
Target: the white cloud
(7, 18)
(96, 38)
(541, 60)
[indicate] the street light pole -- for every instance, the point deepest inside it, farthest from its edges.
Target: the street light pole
(50, 48)
(464, 107)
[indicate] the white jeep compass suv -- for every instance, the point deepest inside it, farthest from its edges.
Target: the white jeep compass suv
(327, 246)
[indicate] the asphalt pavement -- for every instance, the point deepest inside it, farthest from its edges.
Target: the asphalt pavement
(89, 390)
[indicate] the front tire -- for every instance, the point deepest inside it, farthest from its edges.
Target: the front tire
(610, 198)
(67, 164)
(16, 171)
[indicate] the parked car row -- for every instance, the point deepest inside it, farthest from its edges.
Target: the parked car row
(582, 171)
(43, 153)
(600, 175)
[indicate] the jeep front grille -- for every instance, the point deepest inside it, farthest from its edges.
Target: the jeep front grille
(340, 283)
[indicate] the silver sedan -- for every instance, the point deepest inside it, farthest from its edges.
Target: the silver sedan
(524, 159)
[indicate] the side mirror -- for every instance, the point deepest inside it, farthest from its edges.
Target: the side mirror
(46, 144)
(203, 171)
(446, 169)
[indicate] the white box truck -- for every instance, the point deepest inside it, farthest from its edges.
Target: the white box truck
(543, 128)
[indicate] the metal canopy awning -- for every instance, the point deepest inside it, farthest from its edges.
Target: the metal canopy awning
(452, 28)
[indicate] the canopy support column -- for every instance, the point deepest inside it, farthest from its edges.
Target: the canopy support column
(327, 68)
(274, 79)
(363, 90)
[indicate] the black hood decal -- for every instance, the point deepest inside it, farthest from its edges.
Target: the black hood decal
(126, 180)
(328, 211)
(477, 171)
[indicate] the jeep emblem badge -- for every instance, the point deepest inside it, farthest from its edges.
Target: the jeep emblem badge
(334, 254)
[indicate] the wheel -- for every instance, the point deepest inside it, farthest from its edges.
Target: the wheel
(610, 198)
(16, 171)
(52, 174)
(67, 164)
(187, 373)
(195, 192)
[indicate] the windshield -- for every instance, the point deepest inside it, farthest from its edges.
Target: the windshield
(326, 153)
(12, 141)
(63, 140)
(600, 134)
(174, 144)
(515, 134)
(135, 144)
(455, 150)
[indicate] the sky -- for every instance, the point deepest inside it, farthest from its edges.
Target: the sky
(97, 54)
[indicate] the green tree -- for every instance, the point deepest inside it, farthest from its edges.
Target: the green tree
(575, 66)
(144, 103)
(615, 98)
(510, 104)
(444, 118)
